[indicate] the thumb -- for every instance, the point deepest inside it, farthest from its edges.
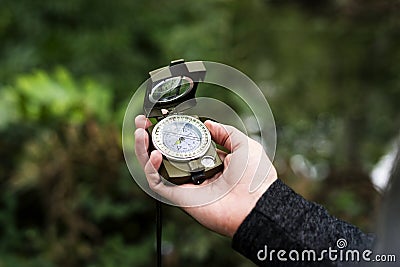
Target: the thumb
(226, 135)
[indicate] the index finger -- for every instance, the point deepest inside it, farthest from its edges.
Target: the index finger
(142, 122)
(142, 139)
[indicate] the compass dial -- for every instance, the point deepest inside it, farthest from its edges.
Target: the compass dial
(181, 137)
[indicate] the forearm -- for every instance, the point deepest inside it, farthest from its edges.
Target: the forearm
(283, 220)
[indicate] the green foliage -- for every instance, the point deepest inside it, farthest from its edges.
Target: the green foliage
(41, 98)
(68, 156)
(116, 253)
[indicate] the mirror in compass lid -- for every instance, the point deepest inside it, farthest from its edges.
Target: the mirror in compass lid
(171, 89)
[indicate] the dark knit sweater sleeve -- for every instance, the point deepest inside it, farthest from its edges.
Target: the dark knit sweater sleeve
(283, 220)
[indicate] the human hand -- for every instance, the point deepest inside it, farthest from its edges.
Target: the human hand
(225, 215)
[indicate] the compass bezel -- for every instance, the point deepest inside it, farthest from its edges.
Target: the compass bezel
(158, 138)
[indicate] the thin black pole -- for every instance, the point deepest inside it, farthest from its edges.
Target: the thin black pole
(158, 232)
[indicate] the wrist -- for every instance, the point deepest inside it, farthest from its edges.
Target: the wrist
(249, 205)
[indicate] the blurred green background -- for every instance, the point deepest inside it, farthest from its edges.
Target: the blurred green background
(329, 69)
